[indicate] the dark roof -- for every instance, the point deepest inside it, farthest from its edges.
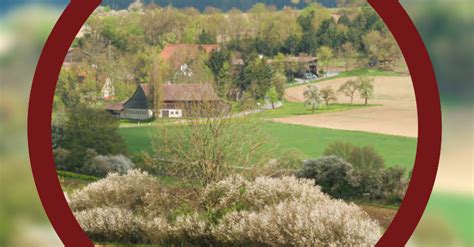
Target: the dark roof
(176, 92)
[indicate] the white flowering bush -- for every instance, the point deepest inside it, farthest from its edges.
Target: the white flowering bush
(136, 191)
(235, 211)
(300, 223)
(120, 225)
(239, 193)
(101, 165)
(121, 208)
(108, 223)
(286, 211)
(191, 229)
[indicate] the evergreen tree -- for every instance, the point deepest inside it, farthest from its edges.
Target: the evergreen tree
(206, 37)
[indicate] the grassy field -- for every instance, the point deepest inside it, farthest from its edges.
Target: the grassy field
(297, 108)
(312, 142)
(71, 181)
(308, 140)
(352, 73)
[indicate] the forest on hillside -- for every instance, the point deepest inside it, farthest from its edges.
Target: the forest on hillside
(125, 47)
(201, 5)
(224, 5)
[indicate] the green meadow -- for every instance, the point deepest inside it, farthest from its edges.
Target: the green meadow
(309, 141)
(289, 109)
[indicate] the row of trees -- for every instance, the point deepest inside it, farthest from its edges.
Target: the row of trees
(208, 5)
(315, 97)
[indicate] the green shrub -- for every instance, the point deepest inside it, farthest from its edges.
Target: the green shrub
(340, 179)
(60, 158)
(247, 103)
(286, 165)
(332, 173)
(57, 133)
(360, 157)
(394, 184)
(340, 149)
(366, 158)
(89, 129)
(367, 184)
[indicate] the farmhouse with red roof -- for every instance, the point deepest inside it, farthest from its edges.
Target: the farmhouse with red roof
(174, 101)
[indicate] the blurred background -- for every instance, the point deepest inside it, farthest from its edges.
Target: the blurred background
(447, 28)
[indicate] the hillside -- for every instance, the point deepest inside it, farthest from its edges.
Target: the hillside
(220, 4)
(225, 5)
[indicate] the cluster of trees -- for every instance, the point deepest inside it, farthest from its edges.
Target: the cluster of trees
(315, 97)
(124, 47)
(356, 173)
(227, 5)
(364, 85)
(349, 33)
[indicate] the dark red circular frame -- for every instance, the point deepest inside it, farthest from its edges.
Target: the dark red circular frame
(75, 15)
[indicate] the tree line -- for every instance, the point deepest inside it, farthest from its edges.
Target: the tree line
(225, 5)
(125, 47)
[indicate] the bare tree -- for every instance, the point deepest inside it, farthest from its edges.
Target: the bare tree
(205, 149)
(328, 95)
(349, 89)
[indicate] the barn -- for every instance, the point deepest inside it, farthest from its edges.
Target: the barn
(298, 66)
(174, 101)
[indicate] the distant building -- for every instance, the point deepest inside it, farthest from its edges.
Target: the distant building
(175, 101)
(72, 57)
(179, 55)
(174, 49)
(108, 90)
(298, 65)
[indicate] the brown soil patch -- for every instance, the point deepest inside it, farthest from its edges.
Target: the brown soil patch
(396, 114)
(383, 216)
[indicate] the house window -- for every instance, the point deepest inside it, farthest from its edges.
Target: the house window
(170, 113)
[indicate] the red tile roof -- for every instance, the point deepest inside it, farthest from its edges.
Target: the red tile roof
(115, 107)
(146, 89)
(169, 50)
(189, 92)
(185, 92)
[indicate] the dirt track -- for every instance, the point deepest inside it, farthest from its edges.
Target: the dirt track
(396, 114)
